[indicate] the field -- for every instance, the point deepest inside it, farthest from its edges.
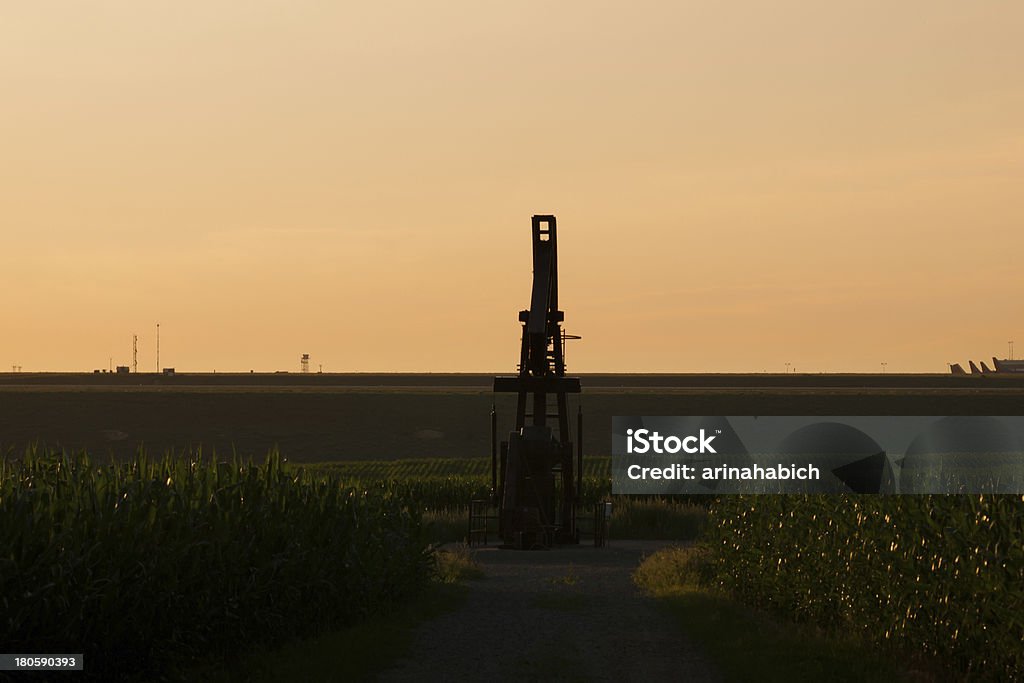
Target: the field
(319, 418)
(400, 459)
(154, 565)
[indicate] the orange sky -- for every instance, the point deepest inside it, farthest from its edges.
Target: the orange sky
(738, 185)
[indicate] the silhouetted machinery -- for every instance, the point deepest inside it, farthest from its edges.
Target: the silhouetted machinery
(538, 493)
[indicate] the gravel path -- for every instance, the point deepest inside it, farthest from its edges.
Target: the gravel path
(569, 614)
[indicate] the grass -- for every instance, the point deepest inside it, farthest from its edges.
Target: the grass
(571, 578)
(449, 526)
(746, 644)
(656, 519)
(354, 654)
(457, 563)
(362, 651)
(632, 518)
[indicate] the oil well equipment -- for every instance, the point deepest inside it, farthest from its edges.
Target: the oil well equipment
(536, 472)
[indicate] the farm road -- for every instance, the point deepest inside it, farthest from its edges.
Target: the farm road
(569, 614)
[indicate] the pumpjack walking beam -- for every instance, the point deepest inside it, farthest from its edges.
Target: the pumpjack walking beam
(533, 456)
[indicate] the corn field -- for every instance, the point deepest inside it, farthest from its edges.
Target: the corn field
(939, 575)
(447, 485)
(451, 494)
(178, 559)
(434, 468)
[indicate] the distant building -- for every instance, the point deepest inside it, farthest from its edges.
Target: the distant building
(168, 371)
(1001, 367)
(122, 370)
(1008, 365)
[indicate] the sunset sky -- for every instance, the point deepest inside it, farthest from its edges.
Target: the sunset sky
(738, 185)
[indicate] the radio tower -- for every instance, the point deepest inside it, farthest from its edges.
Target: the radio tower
(135, 353)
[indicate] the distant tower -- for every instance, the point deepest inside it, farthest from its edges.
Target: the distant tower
(157, 348)
(135, 353)
(305, 363)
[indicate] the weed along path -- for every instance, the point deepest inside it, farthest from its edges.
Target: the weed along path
(567, 614)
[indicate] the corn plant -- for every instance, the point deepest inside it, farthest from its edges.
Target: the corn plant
(182, 558)
(941, 575)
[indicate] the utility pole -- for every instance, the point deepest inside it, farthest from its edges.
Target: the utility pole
(135, 353)
(158, 348)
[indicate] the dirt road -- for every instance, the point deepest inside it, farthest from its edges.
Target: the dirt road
(569, 614)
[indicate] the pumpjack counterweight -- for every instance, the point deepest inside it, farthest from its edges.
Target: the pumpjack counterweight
(538, 492)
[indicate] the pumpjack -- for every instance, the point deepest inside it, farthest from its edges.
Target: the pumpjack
(539, 489)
